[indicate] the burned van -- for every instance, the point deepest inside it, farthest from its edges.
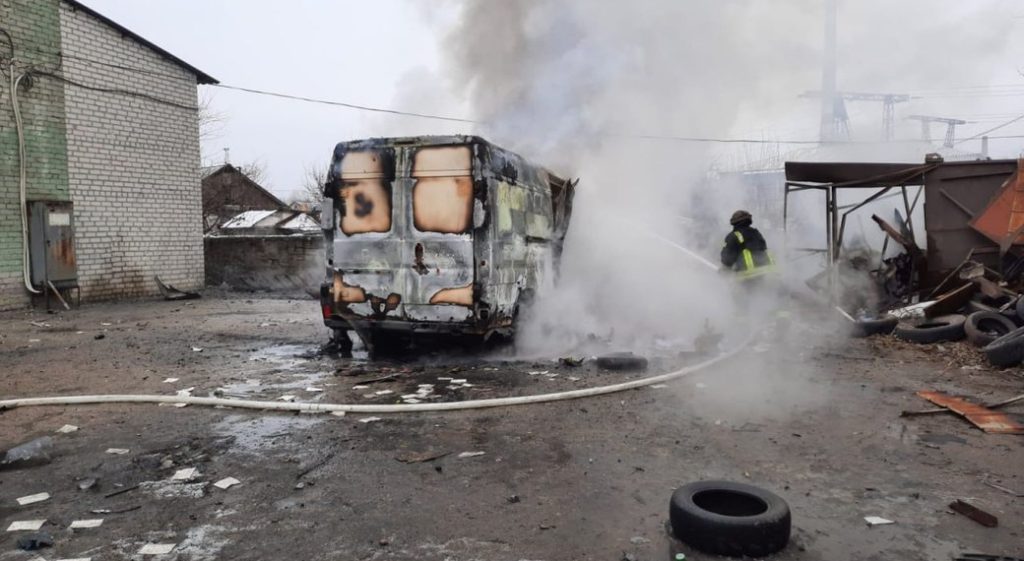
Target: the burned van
(444, 235)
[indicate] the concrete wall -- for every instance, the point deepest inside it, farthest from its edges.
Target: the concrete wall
(273, 263)
(133, 166)
(35, 29)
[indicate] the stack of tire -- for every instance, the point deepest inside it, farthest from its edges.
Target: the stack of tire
(995, 332)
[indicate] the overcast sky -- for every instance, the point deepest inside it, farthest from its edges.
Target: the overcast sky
(384, 53)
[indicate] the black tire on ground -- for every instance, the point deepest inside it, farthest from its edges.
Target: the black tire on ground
(982, 328)
(733, 519)
(935, 330)
(622, 361)
(1007, 350)
(875, 326)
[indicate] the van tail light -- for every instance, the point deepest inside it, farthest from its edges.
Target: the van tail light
(326, 308)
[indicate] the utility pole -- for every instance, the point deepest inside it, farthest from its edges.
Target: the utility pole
(926, 122)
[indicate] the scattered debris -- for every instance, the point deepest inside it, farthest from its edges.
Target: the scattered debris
(67, 429)
(338, 413)
(87, 483)
(120, 491)
(171, 293)
(974, 513)
(470, 454)
(87, 523)
(226, 483)
(383, 392)
(186, 474)
(996, 405)
(571, 361)
(420, 457)
(170, 380)
(187, 392)
(99, 336)
(25, 525)
(513, 499)
(118, 451)
(197, 349)
(32, 499)
(639, 540)
(622, 361)
(37, 540)
(369, 420)
(35, 452)
(877, 520)
(289, 398)
(981, 417)
(312, 389)
(157, 548)
(999, 487)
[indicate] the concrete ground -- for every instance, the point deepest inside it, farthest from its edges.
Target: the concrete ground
(585, 479)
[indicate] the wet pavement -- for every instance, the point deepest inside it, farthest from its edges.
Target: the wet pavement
(583, 479)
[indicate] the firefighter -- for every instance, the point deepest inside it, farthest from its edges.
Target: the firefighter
(745, 251)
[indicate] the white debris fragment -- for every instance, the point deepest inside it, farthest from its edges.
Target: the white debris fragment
(66, 429)
(574, 378)
(197, 349)
(180, 405)
(312, 389)
(32, 499)
(470, 454)
(88, 523)
(444, 379)
(360, 387)
(457, 381)
(33, 340)
(428, 386)
(467, 385)
(288, 397)
(118, 451)
(185, 474)
(157, 548)
(226, 483)
(338, 413)
(369, 419)
(170, 380)
(383, 392)
(25, 525)
(412, 400)
(537, 372)
(877, 520)
(106, 324)
(658, 386)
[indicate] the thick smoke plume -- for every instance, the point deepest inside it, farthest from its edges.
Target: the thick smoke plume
(573, 84)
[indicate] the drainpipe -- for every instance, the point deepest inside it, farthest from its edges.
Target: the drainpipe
(21, 181)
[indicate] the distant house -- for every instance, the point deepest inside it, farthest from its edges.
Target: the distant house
(101, 162)
(228, 192)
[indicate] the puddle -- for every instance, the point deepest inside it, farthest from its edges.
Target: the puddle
(273, 371)
(254, 434)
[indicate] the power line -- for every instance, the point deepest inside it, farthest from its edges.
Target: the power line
(129, 93)
(345, 104)
(995, 128)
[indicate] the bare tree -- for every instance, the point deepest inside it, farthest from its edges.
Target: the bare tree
(255, 170)
(211, 123)
(313, 178)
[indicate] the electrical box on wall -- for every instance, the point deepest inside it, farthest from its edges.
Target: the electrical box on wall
(52, 244)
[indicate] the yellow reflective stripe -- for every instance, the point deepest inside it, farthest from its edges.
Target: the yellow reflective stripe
(739, 237)
(748, 259)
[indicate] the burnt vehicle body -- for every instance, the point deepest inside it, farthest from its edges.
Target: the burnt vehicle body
(439, 235)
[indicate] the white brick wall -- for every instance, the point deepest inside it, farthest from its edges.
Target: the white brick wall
(133, 164)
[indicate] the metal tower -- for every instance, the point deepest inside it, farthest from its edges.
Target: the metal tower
(926, 128)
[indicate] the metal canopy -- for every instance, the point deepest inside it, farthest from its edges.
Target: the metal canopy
(854, 175)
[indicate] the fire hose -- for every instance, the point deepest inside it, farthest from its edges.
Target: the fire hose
(372, 408)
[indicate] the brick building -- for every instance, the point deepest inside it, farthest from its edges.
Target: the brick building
(109, 122)
(227, 192)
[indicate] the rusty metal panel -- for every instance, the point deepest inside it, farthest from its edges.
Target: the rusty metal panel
(1002, 221)
(979, 416)
(955, 193)
(52, 243)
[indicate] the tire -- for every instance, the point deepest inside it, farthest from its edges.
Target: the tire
(622, 361)
(935, 330)
(1007, 350)
(732, 519)
(876, 326)
(982, 328)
